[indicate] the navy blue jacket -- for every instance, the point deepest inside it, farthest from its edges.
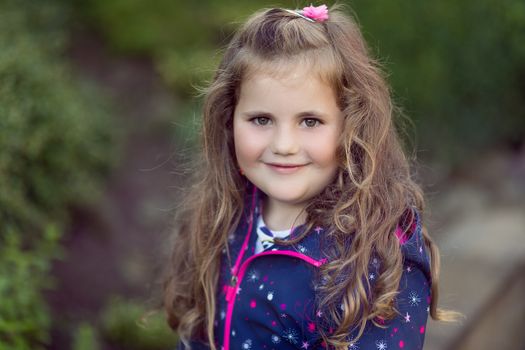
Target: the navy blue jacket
(268, 300)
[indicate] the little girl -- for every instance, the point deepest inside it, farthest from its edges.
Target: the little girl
(303, 229)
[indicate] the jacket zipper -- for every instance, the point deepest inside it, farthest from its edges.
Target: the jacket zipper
(236, 280)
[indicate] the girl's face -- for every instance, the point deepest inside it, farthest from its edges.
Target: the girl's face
(286, 133)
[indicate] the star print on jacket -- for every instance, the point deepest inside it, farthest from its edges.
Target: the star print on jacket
(272, 304)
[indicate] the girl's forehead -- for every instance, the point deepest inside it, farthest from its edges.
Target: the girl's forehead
(321, 64)
(296, 83)
(291, 72)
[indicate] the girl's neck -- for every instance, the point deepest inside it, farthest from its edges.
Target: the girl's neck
(280, 216)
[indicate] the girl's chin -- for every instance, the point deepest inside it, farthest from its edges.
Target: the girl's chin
(289, 199)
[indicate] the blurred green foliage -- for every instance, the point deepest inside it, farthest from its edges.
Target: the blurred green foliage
(57, 144)
(85, 337)
(182, 37)
(125, 322)
(24, 316)
(456, 67)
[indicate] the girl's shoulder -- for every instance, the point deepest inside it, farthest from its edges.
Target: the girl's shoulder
(409, 231)
(412, 301)
(410, 234)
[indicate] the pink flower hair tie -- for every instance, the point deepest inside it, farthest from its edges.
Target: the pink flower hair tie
(312, 13)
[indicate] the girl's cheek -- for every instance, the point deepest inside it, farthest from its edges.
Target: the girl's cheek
(325, 149)
(249, 138)
(249, 143)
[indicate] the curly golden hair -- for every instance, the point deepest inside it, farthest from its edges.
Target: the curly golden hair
(370, 195)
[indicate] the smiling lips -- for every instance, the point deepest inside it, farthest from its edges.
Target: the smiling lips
(285, 168)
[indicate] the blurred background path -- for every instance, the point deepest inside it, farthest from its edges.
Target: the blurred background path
(479, 224)
(116, 249)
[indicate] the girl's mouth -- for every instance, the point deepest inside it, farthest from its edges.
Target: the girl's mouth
(282, 168)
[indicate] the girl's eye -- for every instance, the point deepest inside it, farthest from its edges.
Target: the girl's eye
(261, 121)
(311, 122)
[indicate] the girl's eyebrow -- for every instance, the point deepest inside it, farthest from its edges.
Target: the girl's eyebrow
(252, 114)
(314, 113)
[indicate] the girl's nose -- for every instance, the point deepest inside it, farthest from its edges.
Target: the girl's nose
(284, 141)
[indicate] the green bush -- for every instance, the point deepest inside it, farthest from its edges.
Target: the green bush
(123, 324)
(24, 316)
(182, 37)
(56, 144)
(85, 338)
(456, 66)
